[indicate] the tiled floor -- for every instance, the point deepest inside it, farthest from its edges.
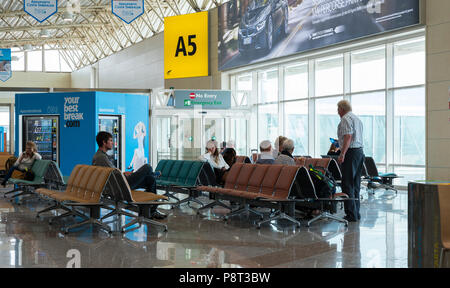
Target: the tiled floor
(378, 240)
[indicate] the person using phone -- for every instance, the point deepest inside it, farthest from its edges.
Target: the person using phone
(25, 161)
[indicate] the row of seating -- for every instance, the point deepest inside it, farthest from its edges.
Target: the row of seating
(275, 186)
(91, 187)
(46, 173)
(182, 176)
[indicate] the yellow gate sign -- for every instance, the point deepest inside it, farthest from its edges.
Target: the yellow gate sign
(186, 45)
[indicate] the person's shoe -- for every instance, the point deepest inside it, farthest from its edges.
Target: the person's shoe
(158, 216)
(350, 219)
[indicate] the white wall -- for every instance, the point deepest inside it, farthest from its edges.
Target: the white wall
(81, 78)
(438, 85)
(140, 66)
(38, 79)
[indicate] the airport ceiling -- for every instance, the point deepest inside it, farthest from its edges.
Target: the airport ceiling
(91, 34)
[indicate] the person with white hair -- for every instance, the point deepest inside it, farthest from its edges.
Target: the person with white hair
(286, 158)
(266, 156)
(350, 138)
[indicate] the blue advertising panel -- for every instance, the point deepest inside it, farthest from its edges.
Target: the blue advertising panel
(2, 140)
(76, 112)
(208, 99)
(135, 110)
(40, 10)
(78, 123)
(127, 10)
(5, 64)
(252, 31)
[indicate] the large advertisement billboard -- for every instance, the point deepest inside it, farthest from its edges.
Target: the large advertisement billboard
(252, 31)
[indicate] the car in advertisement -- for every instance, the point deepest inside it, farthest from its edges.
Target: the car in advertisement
(262, 21)
(253, 31)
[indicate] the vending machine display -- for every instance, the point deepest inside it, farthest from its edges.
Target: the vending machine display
(43, 131)
(111, 124)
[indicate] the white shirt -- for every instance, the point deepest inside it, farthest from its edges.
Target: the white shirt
(27, 162)
(219, 165)
(351, 125)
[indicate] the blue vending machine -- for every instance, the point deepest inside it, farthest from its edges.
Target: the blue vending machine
(64, 126)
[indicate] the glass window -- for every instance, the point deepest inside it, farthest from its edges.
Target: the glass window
(4, 123)
(244, 87)
(239, 135)
(409, 62)
(296, 125)
(370, 108)
(408, 174)
(52, 61)
(409, 126)
(327, 121)
(19, 64)
(244, 82)
(330, 75)
(267, 122)
(34, 60)
(368, 69)
(65, 67)
(268, 86)
(296, 82)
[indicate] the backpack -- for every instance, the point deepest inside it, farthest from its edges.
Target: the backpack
(29, 175)
(323, 181)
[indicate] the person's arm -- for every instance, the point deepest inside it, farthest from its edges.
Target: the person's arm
(19, 159)
(345, 145)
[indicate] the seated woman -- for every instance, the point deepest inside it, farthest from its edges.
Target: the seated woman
(25, 161)
(215, 159)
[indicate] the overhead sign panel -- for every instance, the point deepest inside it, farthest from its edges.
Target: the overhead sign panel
(252, 31)
(186, 46)
(5, 64)
(127, 10)
(208, 99)
(40, 9)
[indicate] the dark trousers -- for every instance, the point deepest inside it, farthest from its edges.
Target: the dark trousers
(143, 178)
(351, 181)
(10, 172)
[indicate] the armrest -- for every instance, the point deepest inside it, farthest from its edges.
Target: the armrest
(154, 203)
(83, 204)
(279, 200)
(187, 187)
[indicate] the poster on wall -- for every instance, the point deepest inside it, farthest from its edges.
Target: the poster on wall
(40, 9)
(252, 31)
(127, 10)
(5, 64)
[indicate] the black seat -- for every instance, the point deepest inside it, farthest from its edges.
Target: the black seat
(375, 180)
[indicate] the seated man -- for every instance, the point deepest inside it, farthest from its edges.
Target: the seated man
(266, 156)
(142, 178)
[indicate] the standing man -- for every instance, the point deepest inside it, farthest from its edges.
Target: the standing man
(350, 134)
(142, 178)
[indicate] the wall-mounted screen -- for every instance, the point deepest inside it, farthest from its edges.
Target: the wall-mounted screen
(252, 31)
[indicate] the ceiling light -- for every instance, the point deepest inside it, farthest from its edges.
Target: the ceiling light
(27, 47)
(44, 33)
(67, 16)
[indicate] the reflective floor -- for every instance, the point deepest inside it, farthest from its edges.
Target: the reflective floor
(378, 240)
